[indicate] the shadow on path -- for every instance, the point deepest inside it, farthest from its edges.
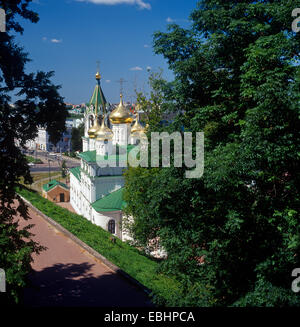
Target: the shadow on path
(69, 285)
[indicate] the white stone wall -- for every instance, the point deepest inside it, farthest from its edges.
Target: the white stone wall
(102, 220)
(75, 193)
(104, 147)
(121, 133)
(86, 209)
(85, 144)
(87, 123)
(92, 144)
(86, 187)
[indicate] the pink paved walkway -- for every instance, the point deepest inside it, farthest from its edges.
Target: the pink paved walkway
(67, 275)
(66, 205)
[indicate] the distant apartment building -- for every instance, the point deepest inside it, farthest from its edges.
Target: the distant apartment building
(74, 122)
(42, 142)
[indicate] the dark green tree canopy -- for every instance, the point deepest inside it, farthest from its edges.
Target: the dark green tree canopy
(38, 104)
(233, 236)
(76, 139)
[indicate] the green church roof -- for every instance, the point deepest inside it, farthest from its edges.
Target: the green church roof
(92, 157)
(76, 172)
(98, 95)
(53, 183)
(111, 202)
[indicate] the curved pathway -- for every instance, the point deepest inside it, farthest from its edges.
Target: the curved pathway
(66, 275)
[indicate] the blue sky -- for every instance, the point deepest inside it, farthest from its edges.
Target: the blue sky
(73, 34)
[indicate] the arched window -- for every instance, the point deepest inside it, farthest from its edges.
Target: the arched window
(112, 226)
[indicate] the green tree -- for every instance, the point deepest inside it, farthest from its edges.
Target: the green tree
(155, 105)
(63, 169)
(38, 103)
(76, 138)
(233, 236)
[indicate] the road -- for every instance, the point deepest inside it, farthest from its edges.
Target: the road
(67, 275)
(55, 162)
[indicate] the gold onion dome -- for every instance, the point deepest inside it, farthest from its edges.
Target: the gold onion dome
(98, 76)
(104, 133)
(137, 127)
(120, 115)
(93, 130)
(139, 135)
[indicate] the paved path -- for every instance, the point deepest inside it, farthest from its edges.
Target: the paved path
(34, 185)
(67, 275)
(66, 205)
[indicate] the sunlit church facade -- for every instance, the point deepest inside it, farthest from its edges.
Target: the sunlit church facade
(96, 187)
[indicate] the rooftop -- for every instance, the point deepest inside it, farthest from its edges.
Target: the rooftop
(76, 172)
(53, 183)
(111, 202)
(92, 157)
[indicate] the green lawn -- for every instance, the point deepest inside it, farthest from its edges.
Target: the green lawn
(128, 258)
(33, 160)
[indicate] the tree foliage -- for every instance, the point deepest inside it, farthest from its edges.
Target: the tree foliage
(233, 236)
(76, 138)
(38, 103)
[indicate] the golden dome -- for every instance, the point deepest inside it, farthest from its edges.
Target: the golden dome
(137, 127)
(93, 130)
(104, 133)
(120, 115)
(139, 135)
(98, 76)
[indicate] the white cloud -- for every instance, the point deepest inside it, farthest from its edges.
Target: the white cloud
(172, 20)
(140, 3)
(146, 46)
(108, 81)
(56, 41)
(149, 68)
(44, 38)
(137, 68)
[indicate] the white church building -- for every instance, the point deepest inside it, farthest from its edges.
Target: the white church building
(96, 187)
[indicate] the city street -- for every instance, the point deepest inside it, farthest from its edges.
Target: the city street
(55, 161)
